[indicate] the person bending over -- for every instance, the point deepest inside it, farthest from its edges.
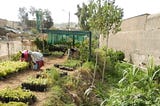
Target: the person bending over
(35, 59)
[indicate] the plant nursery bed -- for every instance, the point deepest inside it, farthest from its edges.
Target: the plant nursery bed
(35, 87)
(63, 67)
(17, 95)
(36, 84)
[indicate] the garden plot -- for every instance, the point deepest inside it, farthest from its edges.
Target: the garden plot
(17, 79)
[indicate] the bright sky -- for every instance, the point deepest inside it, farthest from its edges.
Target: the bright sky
(60, 8)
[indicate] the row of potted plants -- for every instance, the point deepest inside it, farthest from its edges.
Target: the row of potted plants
(36, 84)
(9, 67)
(17, 95)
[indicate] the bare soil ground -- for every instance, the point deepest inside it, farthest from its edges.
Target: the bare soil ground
(16, 79)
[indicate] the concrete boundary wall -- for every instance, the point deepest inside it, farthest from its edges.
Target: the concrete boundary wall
(134, 24)
(8, 48)
(153, 22)
(139, 39)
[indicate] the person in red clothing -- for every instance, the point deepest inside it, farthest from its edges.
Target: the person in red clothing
(26, 57)
(35, 59)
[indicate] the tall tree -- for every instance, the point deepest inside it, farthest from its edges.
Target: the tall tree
(103, 16)
(47, 19)
(23, 16)
(83, 16)
(107, 19)
(32, 11)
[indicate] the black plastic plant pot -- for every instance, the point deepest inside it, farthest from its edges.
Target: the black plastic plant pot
(41, 88)
(66, 68)
(46, 54)
(57, 65)
(34, 87)
(31, 100)
(4, 99)
(25, 85)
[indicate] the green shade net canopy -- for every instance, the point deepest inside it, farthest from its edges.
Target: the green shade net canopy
(63, 36)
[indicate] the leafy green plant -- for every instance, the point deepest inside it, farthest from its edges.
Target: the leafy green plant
(54, 74)
(41, 43)
(13, 104)
(110, 56)
(36, 84)
(59, 93)
(72, 63)
(157, 75)
(17, 95)
(58, 47)
(120, 55)
(84, 51)
(57, 90)
(43, 81)
(136, 87)
(16, 57)
(88, 66)
(57, 54)
(9, 67)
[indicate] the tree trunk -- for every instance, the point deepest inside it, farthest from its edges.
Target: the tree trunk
(95, 68)
(107, 41)
(104, 67)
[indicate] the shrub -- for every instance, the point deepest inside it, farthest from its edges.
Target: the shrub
(72, 63)
(88, 66)
(120, 55)
(39, 43)
(16, 57)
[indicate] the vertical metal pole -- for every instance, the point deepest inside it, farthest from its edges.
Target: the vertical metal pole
(43, 44)
(73, 40)
(42, 25)
(69, 21)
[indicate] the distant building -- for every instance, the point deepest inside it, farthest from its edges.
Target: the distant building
(14, 25)
(3, 22)
(65, 26)
(11, 24)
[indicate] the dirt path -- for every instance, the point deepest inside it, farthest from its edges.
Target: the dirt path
(16, 80)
